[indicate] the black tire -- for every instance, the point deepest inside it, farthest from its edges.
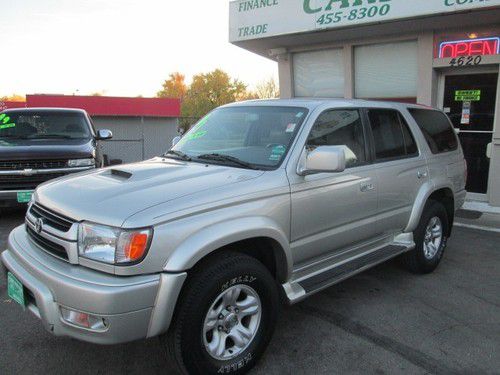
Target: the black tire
(415, 260)
(184, 340)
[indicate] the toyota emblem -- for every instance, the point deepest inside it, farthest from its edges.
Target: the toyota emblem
(39, 225)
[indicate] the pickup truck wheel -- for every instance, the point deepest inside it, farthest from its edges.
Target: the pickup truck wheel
(431, 237)
(225, 317)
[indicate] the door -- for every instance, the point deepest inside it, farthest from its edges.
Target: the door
(469, 101)
(401, 169)
(332, 211)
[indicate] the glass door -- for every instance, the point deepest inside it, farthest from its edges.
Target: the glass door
(469, 100)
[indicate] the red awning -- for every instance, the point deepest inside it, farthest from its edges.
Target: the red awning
(106, 105)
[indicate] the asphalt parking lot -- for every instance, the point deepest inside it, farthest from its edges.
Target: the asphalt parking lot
(384, 321)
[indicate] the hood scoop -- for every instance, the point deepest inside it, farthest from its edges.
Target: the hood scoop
(122, 174)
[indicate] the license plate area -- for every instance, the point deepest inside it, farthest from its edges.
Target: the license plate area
(16, 290)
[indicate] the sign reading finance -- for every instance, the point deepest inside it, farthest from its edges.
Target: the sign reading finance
(254, 19)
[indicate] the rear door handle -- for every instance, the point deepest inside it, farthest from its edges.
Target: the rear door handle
(422, 174)
(366, 186)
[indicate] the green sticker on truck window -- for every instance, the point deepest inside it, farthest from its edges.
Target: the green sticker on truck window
(5, 122)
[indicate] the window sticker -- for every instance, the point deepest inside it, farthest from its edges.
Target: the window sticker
(299, 115)
(277, 152)
(467, 95)
(5, 122)
(465, 120)
(196, 135)
(290, 128)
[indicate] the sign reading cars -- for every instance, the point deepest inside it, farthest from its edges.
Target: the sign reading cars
(254, 19)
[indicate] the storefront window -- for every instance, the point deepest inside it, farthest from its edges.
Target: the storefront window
(386, 71)
(319, 73)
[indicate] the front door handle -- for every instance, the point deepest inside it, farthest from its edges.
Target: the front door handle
(422, 174)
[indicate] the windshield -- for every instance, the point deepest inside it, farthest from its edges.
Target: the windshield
(257, 136)
(42, 125)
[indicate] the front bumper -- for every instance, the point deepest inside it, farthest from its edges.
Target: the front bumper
(134, 307)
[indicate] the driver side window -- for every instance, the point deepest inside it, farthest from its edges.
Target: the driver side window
(340, 127)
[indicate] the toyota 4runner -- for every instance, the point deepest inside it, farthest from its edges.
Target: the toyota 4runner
(259, 200)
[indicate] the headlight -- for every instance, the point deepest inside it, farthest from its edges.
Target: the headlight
(81, 163)
(112, 245)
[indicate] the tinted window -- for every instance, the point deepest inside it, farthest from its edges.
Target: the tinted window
(340, 128)
(391, 135)
(410, 144)
(436, 129)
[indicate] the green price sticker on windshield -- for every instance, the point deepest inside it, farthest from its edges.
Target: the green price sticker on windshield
(5, 122)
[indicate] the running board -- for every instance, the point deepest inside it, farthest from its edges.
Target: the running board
(300, 289)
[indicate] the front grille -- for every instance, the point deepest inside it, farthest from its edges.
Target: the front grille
(54, 220)
(47, 245)
(19, 165)
(19, 182)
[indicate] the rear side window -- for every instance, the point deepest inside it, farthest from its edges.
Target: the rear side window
(436, 128)
(391, 135)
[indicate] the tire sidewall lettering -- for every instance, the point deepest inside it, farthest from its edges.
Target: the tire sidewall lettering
(226, 369)
(244, 279)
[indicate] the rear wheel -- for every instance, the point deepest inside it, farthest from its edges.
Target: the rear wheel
(225, 317)
(431, 237)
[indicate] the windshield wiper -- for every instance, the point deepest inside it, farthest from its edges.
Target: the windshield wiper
(227, 158)
(179, 155)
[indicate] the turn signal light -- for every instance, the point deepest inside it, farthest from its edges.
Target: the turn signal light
(137, 246)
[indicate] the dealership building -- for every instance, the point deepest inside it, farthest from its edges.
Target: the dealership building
(441, 53)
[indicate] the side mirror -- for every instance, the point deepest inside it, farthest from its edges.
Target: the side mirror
(323, 159)
(176, 140)
(104, 134)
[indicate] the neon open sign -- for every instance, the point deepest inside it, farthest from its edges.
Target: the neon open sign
(469, 47)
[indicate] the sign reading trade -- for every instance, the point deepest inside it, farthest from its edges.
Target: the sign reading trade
(254, 19)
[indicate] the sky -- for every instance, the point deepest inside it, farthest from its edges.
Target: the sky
(117, 47)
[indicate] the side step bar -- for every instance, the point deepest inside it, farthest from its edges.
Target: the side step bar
(298, 290)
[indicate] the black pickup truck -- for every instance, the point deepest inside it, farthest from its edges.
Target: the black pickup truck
(39, 144)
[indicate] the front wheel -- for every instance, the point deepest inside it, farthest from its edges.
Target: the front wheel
(431, 237)
(225, 317)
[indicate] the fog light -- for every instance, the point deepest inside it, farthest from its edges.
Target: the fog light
(83, 320)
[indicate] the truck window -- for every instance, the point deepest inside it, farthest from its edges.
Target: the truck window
(391, 135)
(340, 127)
(436, 128)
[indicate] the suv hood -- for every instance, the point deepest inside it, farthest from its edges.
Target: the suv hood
(109, 196)
(31, 149)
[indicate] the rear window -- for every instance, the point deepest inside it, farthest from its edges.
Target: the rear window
(437, 130)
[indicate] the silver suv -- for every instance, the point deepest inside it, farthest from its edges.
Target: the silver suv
(259, 200)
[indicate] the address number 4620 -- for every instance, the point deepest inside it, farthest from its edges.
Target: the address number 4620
(466, 61)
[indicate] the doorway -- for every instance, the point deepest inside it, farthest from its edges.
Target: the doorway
(469, 99)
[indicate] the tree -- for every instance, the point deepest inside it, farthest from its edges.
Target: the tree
(209, 91)
(13, 98)
(268, 89)
(174, 87)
